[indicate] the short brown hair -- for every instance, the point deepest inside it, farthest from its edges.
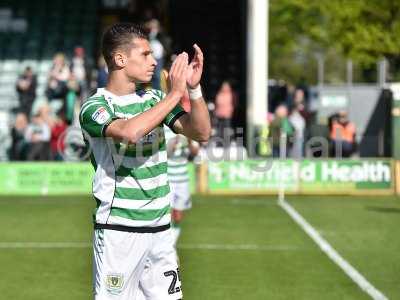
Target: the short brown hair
(119, 36)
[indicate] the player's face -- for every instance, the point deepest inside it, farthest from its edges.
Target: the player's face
(140, 61)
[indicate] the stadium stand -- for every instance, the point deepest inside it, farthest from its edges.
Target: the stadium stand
(30, 34)
(221, 35)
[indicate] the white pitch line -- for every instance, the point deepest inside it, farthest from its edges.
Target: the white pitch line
(66, 245)
(350, 271)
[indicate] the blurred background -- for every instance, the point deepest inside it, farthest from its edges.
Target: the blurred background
(304, 98)
(323, 59)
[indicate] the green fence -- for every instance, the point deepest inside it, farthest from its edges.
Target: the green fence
(372, 176)
(45, 178)
(52, 178)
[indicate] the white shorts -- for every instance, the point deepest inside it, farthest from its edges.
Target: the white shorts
(135, 266)
(180, 196)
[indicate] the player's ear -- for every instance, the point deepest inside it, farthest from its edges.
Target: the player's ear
(120, 59)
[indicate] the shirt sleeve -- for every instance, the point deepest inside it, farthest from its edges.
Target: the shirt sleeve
(95, 116)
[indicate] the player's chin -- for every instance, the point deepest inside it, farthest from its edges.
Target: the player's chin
(146, 79)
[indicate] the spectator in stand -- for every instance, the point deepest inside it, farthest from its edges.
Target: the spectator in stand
(37, 136)
(26, 88)
(58, 77)
(19, 145)
(278, 126)
(153, 27)
(290, 92)
(298, 96)
(225, 102)
(58, 128)
(102, 73)
(343, 135)
(74, 91)
(80, 69)
(299, 125)
(45, 113)
(299, 101)
(303, 86)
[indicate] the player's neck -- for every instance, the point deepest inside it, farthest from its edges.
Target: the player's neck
(120, 85)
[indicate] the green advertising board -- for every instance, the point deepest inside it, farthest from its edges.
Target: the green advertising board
(45, 178)
(307, 176)
(53, 178)
(252, 175)
(346, 176)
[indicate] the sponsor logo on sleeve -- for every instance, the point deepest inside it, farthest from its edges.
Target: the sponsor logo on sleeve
(101, 116)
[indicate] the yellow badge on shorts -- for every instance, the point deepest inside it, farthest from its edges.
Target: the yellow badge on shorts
(114, 283)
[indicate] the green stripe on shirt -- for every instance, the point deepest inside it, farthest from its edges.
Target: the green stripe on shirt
(141, 194)
(140, 214)
(143, 173)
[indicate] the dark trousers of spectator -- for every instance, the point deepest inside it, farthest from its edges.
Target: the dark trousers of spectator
(18, 151)
(276, 151)
(25, 104)
(38, 151)
(342, 148)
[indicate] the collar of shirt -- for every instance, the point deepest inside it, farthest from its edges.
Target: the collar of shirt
(118, 100)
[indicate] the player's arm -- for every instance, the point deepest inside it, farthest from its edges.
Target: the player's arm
(135, 128)
(195, 125)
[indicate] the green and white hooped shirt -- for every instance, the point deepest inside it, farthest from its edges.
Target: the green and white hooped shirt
(130, 184)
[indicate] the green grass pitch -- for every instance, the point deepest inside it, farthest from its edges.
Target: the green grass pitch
(230, 248)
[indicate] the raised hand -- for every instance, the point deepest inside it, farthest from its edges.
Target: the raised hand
(195, 68)
(178, 74)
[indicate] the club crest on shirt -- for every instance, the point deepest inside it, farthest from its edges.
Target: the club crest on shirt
(101, 115)
(115, 283)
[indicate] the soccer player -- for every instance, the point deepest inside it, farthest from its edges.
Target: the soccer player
(134, 257)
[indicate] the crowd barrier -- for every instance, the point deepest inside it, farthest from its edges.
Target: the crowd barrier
(328, 177)
(52, 178)
(307, 177)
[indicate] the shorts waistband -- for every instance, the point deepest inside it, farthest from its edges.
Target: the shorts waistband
(132, 229)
